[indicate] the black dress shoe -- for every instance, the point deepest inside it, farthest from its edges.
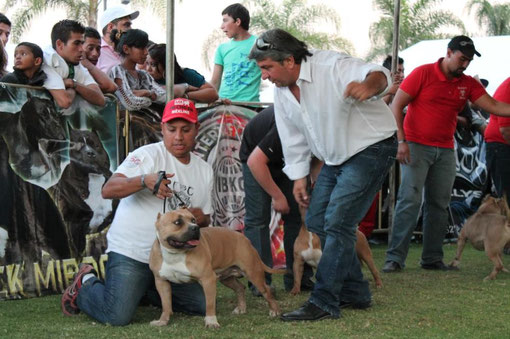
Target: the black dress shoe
(391, 266)
(308, 312)
(438, 266)
(357, 305)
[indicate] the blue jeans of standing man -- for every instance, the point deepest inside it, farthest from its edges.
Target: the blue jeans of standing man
(340, 199)
(431, 173)
(115, 301)
(258, 216)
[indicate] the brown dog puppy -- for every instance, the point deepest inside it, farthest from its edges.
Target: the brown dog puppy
(183, 253)
(488, 229)
(307, 248)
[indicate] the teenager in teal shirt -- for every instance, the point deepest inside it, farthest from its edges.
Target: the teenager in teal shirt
(235, 76)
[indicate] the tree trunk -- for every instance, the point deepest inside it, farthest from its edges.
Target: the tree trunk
(92, 20)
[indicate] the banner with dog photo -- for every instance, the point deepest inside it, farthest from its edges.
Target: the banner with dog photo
(53, 164)
(471, 180)
(218, 143)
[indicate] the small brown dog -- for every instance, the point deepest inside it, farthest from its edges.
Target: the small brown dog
(307, 248)
(488, 229)
(183, 253)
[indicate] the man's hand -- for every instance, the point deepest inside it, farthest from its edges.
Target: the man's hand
(163, 191)
(300, 192)
(403, 154)
(358, 91)
(374, 83)
(69, 83)
(203, 220)
(281, 205)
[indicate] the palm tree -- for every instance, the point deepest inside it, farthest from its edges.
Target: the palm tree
(418, 21)
(496, 17)
(84, 11)
(294, 16)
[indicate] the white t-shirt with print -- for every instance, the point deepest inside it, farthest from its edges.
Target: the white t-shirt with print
(133, 231)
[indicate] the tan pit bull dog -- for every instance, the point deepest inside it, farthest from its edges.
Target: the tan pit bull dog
(307, 248)
(183, 253)
(488, 229)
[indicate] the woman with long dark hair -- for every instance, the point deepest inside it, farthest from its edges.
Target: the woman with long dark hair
(188, 83)
(137, 89)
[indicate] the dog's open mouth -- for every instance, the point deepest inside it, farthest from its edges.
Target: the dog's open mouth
(182, 244)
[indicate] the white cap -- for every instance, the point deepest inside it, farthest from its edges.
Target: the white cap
(116, 12)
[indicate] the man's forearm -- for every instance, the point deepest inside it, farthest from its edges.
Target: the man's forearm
(92, 95)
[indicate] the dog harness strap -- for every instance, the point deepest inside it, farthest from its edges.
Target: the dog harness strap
(162, 175)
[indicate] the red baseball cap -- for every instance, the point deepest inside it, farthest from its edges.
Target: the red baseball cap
(180, 109)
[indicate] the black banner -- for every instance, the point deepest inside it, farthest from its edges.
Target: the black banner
(53, 164)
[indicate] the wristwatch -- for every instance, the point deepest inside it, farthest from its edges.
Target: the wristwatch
(75, 83)
(142, 181)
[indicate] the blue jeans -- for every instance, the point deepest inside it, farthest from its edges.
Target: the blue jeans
(340, 199)
(431, 174)
(115, 301)
(498, 164)
(257, 218)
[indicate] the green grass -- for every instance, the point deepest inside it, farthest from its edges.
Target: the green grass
(414, 303)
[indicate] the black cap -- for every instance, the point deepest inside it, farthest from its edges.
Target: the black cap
(464, 44)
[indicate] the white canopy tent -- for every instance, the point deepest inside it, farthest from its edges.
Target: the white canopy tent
(493, 65)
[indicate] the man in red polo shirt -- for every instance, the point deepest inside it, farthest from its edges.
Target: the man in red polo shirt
(497, 138)
(434, 94)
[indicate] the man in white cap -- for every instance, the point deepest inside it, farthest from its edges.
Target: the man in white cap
(118, 17)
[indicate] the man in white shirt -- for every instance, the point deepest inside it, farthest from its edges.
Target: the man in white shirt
(65, 76)
(189, 181)
(329, 104)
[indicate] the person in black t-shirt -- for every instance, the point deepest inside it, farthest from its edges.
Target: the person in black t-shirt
(266, 185)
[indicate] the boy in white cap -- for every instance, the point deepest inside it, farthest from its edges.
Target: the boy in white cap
(118, 17)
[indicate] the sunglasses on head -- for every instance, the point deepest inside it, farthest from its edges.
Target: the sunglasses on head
(263, 46)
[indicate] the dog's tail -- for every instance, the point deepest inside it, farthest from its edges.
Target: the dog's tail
(273, 270)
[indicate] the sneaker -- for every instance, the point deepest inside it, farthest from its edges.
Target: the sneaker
(69, 296)
(391, 266)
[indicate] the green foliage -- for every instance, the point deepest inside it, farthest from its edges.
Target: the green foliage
(495, 18)
(418, 21)
(412, 304)
(299, 19)
(76, 9)
(294, 16)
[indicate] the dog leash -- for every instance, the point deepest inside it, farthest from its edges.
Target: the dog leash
(161, 176)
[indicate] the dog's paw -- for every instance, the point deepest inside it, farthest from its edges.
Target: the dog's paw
(239, 310)
(504, 270)
(159, 322)
(295, 291)
(211, 322)
(454, 264)
(273, 313)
